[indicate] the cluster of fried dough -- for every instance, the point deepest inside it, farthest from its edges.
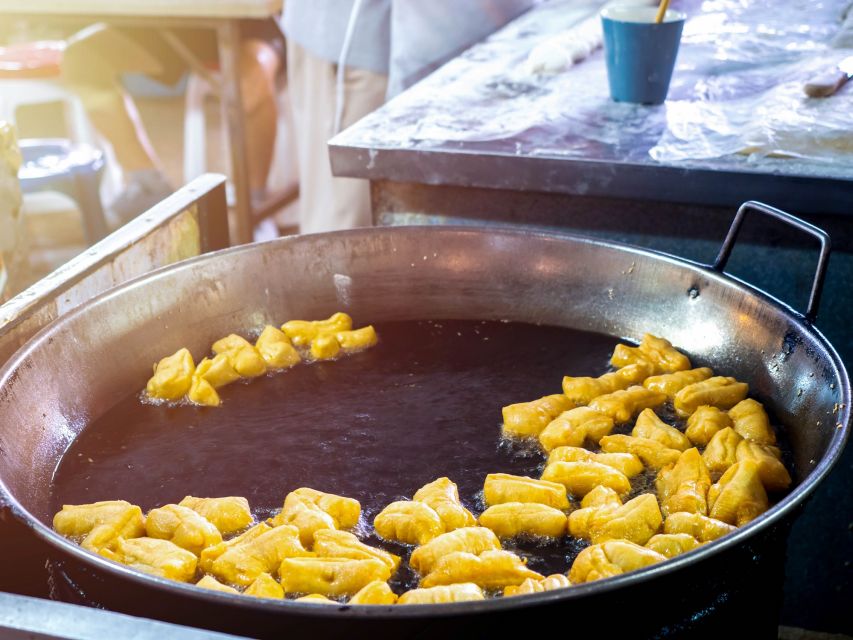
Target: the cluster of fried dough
(307, 550)
(455, 558)
(216, 544)
(177, 377)
(689, 508)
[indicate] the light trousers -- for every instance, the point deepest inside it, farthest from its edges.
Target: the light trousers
(328, 203)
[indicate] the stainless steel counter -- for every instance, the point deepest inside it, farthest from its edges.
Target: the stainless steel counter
(736, 126)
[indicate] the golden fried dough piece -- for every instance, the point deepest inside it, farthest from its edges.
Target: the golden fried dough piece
(738, 497)
(265, 586)
(241, 564)
(202, 393)
(774, 476)
(217, 371)
(653, 454)
(512, 519)
(276, 350)
(609, 559)
(528, 419)
(637, 521)
(443, 496)
(473, 540)
(650, 426)
(306, 516)
(325, 347)
(357, 339)
(583, 390)
(231, 342)
(601, 496)
(503, 487)
(183, 526)
(210, 554)
(684, 485)
(722, 392)
(599, 499)
(489, 570)
(623, 405)
(247, 362)
(627, 463)
(672, 383)
(110, 522)
(625, 356)
(345, 511)
(310, 510)
(376, 592)
(330, 543)
(721, 452)
(229, 515)
(657, 352)
(663, 354)
(242, 355)
(212, 584)
(172, 376)
(330, 576)
(751, 422)
(703, 528)
(316, 598)
(76, 520)
(409, 522)
(465, 592)
(157, 557)
(579, 520)
(672, 544)
(551, 583)
(303, 332)
(573, 427)
(704, 423)
(580, 478)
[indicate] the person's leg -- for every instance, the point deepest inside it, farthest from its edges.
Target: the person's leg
(326, 202)
(259, 64)
(94, 61)
(92, 65)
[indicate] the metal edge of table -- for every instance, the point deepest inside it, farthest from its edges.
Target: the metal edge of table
(114, 10)
(28, 618)
(585, 177)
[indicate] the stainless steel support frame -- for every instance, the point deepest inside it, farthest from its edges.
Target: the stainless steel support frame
(192, 221)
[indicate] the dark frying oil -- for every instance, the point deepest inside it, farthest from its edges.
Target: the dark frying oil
(424, 403)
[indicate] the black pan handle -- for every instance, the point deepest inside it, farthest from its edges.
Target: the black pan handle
(802, 225)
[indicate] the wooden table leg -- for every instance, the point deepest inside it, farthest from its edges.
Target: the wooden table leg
(229, 59)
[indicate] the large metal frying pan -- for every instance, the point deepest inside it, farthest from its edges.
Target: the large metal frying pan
(80, 366)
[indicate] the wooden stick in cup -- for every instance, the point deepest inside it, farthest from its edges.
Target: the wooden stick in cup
(664, 5)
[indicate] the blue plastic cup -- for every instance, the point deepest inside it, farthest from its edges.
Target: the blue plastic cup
(640, 54)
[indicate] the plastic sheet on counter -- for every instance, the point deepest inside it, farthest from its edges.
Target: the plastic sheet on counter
(736, 95)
